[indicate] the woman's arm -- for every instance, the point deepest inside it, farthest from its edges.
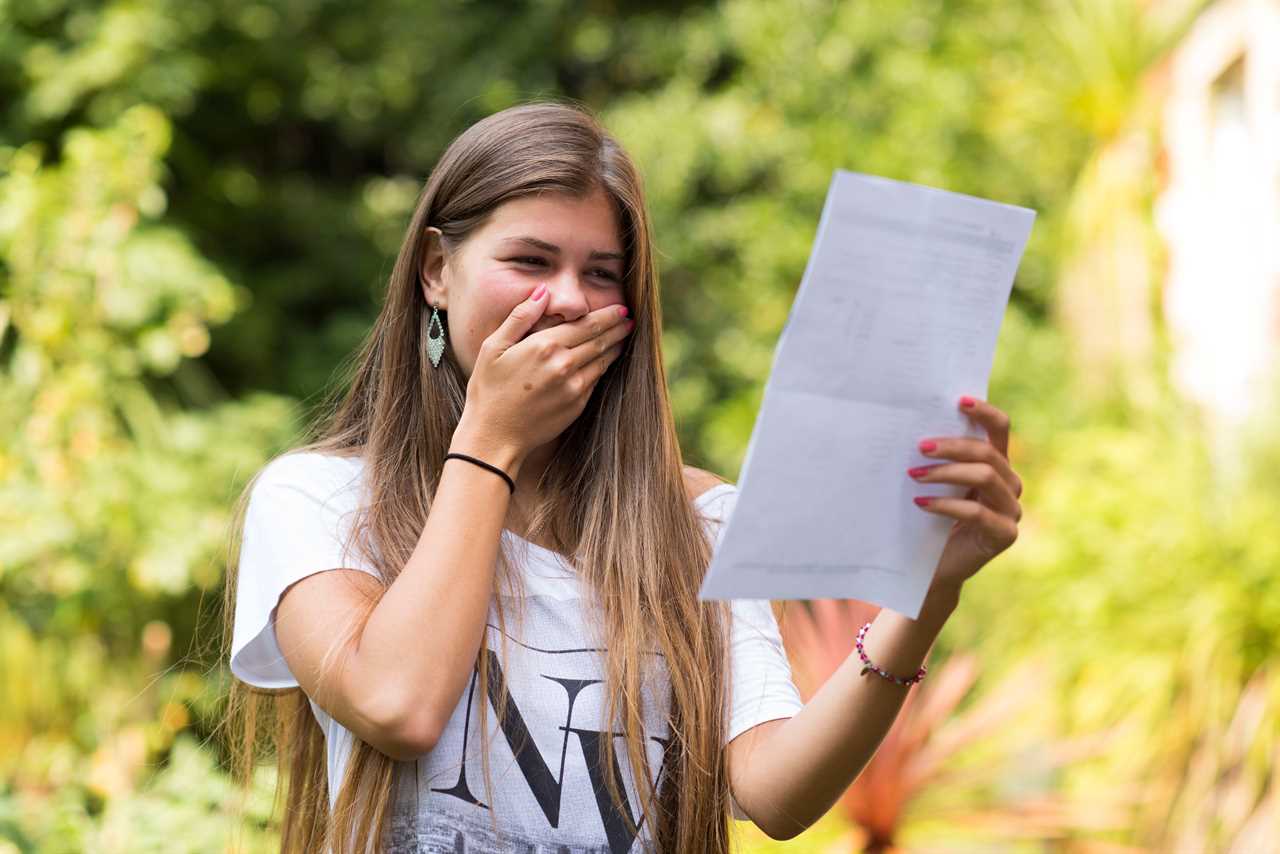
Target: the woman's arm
(786, 774)
(798, 768)
(395, 680)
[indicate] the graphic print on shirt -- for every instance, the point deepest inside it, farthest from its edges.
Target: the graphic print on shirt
(547, 756)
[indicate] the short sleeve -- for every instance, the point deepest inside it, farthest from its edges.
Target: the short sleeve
(760, 683)
(297, 522)
(761, 688)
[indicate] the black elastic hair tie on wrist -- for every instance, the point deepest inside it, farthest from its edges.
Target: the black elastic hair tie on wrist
(482, 463)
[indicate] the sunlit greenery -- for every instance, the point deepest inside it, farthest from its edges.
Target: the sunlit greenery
(199, 206)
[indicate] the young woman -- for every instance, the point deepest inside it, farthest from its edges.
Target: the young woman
(473, 590)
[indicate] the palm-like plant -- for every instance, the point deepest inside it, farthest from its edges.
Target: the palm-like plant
(1224, 800)
(930, 731)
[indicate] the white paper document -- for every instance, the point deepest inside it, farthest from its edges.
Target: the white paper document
(896, 317)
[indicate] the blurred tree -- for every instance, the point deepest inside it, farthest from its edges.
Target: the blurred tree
(302, 133)
(115, 497)
(768, 100)
(121, 495)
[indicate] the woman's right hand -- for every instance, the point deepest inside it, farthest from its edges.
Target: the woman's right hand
(525, 391)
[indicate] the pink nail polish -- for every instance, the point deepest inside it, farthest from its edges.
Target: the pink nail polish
(918, 472)
(622, 310)
(928, 446)
(922, 500)
(967, 402)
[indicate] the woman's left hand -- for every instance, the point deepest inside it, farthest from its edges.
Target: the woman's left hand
(987, 515)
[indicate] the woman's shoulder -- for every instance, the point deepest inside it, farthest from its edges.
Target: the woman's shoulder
(697, 481)
(310, 470)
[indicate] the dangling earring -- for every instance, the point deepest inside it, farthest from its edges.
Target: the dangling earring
(435, 342)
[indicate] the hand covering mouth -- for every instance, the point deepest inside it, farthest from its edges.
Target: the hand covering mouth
(536, 329)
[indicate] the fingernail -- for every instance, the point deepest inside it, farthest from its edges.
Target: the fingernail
(918, 472)
(967, 401)
(631, 324)
(622, 310)
(922, 500)
(537, 294)
(928, 446)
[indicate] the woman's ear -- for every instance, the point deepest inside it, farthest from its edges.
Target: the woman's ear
(431, 271)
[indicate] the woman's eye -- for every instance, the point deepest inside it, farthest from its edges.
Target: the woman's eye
(533, 260)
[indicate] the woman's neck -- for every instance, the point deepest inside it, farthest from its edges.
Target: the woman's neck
(525, 498)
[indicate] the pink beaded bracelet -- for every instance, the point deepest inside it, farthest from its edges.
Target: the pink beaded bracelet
(868, 666)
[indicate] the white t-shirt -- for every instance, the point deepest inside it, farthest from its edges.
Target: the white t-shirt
(548, 791)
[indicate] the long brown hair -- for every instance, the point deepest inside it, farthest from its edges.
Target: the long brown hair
(613, 497)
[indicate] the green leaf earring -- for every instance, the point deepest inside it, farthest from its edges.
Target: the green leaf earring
(435, 337)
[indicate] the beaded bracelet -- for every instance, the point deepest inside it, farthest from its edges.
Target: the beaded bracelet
(869, 667)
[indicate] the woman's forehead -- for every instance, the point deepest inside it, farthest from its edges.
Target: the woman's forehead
(578, 225)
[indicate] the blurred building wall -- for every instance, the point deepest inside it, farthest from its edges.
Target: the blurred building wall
(1219, 212)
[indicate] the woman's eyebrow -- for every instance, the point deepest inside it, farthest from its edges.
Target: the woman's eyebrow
(555, 250)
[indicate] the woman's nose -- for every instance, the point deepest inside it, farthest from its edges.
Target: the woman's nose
(567, 290)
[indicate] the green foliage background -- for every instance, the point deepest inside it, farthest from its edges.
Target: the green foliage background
(200, 203)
